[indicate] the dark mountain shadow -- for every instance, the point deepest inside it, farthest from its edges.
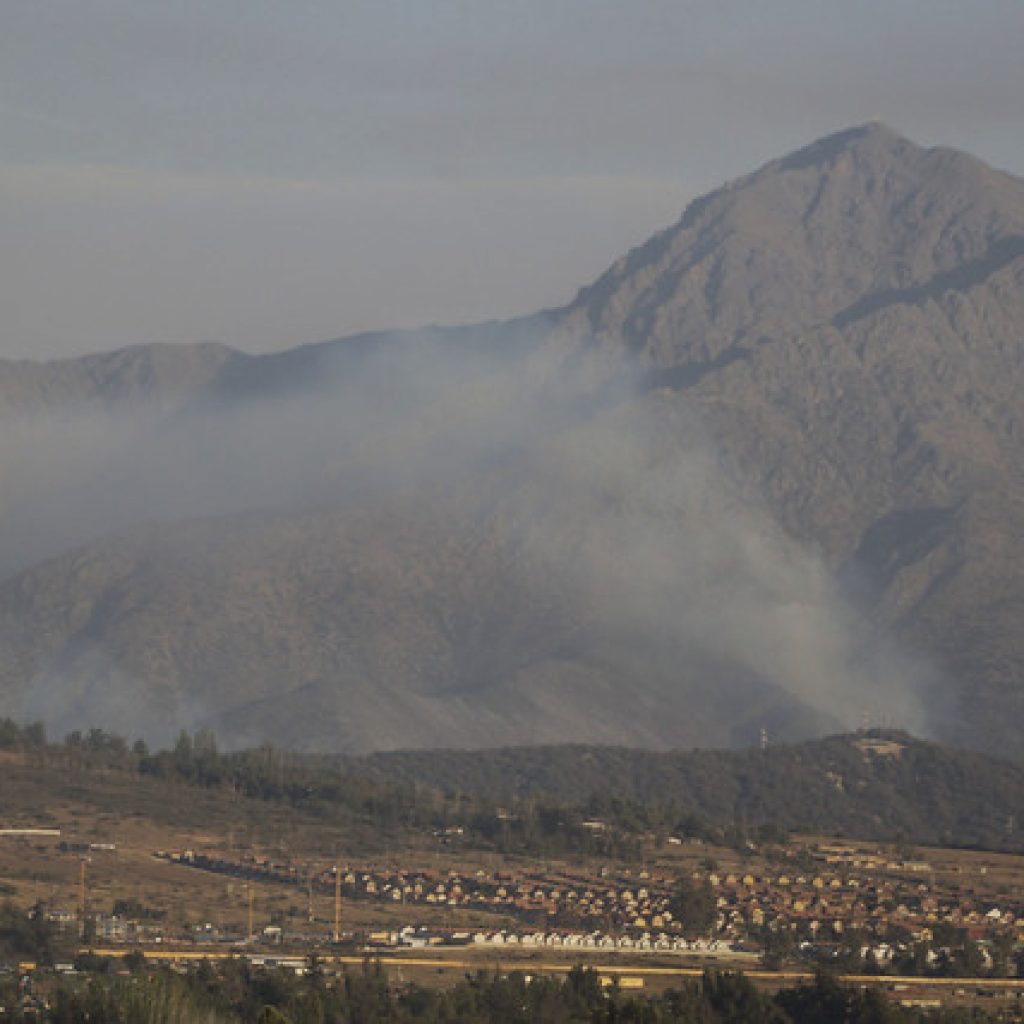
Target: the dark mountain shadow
(891, 544)
(974, 272)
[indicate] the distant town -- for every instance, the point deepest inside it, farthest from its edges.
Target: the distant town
(892, 906)
(836, 900)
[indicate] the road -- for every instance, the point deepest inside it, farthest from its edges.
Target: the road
(519, 962)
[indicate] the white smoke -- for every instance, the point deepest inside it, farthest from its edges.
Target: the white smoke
(613, 493)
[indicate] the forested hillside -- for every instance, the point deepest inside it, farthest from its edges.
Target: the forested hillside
(877, 785)
(873, 784)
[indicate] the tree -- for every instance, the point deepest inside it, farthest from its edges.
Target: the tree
(779, 944)
(733, 998)
(135, 961)
(271, 1015)
(183, 752)
(24, 936)
(694, 905)
(34, 734)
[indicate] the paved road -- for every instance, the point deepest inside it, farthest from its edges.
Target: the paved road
(546, 966)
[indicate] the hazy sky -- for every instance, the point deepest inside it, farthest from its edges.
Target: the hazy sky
(270, 172)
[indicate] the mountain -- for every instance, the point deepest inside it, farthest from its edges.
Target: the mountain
(765, 471)
(860, 310)
(148, 376)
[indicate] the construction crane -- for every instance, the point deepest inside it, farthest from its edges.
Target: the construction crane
(337, 902)
(83, 896)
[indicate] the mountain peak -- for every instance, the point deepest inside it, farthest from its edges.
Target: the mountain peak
(873, 136)
(852, 216)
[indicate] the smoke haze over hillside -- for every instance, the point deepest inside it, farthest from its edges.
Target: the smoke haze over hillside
(640, 518)
(613, 513)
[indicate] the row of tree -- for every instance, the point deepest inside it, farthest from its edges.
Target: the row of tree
(234, 992)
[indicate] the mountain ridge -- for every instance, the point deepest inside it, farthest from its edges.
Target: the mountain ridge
(829, 350)
(875, 783)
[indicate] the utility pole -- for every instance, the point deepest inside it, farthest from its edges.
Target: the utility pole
(337, 902)
(252, 900)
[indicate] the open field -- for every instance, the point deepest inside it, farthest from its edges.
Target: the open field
(139, 815)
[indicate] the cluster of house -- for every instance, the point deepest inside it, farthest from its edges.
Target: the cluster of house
(565, 900)
(558, 900)
(827, 905)
(419, 937)
(867, 893)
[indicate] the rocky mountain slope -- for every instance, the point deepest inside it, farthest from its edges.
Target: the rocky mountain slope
(765, 471)
(866, 298)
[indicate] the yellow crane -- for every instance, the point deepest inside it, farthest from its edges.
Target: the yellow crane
(337, 902)
(83, 902)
